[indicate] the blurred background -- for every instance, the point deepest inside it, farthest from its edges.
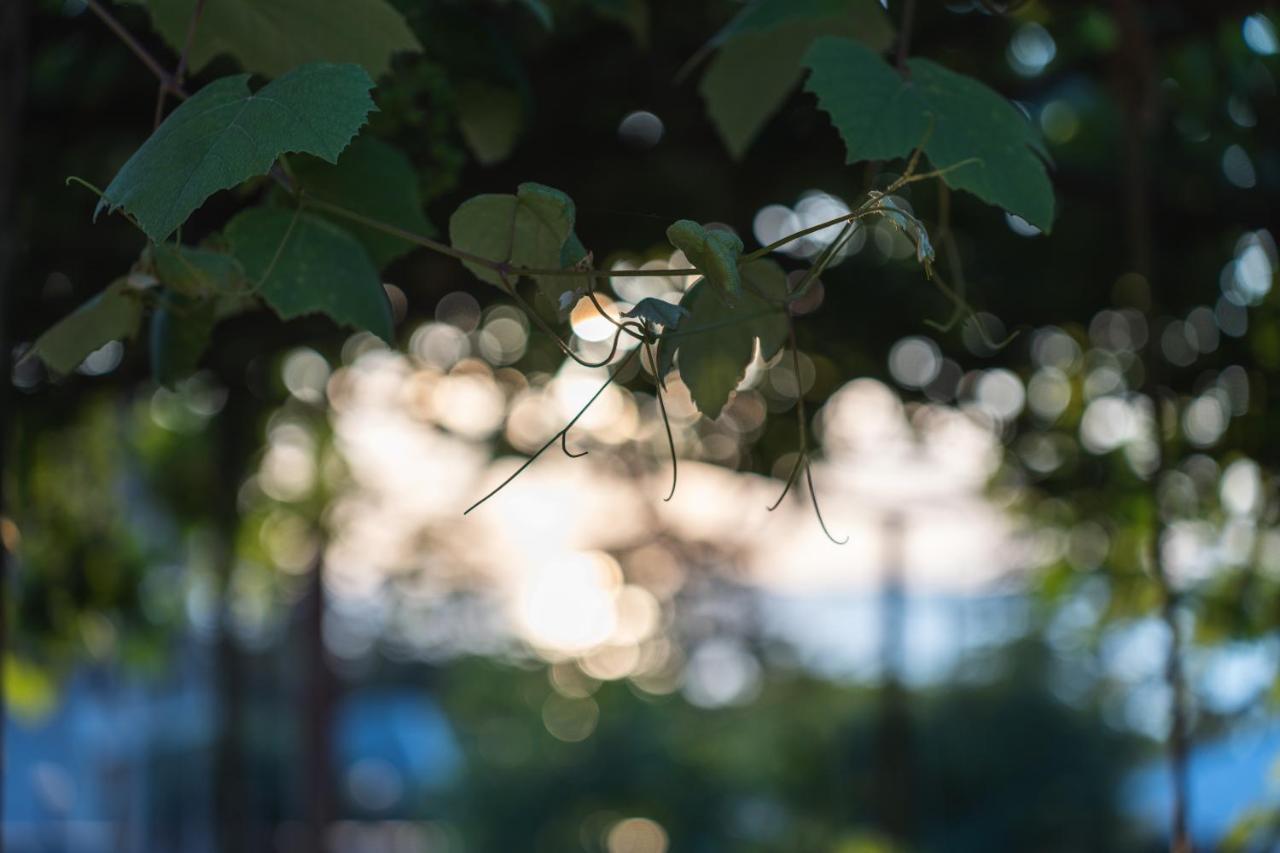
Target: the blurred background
(247, 614)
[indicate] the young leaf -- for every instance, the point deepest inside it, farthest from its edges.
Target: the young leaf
(111, 315)
(881, 114)
(658, 312)
(714, 253)
(302, 264)
(272, 37)
(225, 134)
(909, 225)
(374, 179)
(180, 332)
(716, 344)
(533, 228)
(490, 118)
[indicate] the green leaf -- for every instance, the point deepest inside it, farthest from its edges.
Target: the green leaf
(374, 179)
(718, 340)
(302, 264)
(225, 134)
(758, 66)
(113, 314)
(533, 229)
(881, 115)
(203, 274)
(490, 118)
(180, 332)
(714, 253)
(272, 36)
(658, 312)
(196, 272)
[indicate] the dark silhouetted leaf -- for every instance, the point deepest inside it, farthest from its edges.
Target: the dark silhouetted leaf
(716, 343)
(658, 311)
(273, 36)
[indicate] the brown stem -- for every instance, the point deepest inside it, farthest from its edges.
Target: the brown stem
(181, 70)
(165, 78)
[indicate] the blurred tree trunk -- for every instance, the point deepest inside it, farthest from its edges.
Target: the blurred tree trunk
(893, 735)
(317, 713)
(1137, 92)
(13, 64)
(235, 443)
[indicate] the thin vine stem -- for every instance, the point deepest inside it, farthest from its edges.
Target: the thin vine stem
(509, 269)
(510, 289)
(560, 435)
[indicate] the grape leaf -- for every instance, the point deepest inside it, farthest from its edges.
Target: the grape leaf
(374, 179)
(180, 330)
(714, 253)
(717, 342)
(196, 272)
(113, 314)
(302, 264)
(758, 66)
(881, 114)
(225, 134)
(272, 37)
(533, 228)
